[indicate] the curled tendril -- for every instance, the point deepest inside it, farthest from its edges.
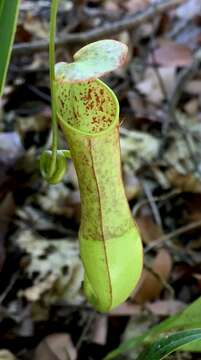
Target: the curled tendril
(60, 165)
(53, 163)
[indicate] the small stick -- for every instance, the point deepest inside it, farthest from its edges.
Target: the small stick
(183, 229)
(104, 31)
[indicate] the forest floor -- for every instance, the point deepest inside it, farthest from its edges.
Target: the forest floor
(43, 313)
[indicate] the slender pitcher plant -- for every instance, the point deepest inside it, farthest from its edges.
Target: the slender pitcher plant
(88, 114)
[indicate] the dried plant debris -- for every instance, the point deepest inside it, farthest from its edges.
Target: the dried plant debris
(180, 157)
(138, 148)
(183, 155)
(54, 267)
(56, 346)
(10, 148)
(150, 85)
(54, 199)
(159, 91)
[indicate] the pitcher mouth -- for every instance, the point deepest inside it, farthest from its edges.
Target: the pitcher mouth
(90, 108)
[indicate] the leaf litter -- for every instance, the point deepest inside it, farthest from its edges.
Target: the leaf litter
(159, 92)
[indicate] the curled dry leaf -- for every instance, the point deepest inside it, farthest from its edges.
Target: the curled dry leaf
(151, 286)
(56, 347)
(172, 54)
(149, 230)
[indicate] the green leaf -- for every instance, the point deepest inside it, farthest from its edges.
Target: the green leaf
(187, 319)
(8, 20)
(193, 347)
(168, 344)
(92, 61)
(1, 6)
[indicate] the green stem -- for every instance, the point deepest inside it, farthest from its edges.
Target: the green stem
(53, 15)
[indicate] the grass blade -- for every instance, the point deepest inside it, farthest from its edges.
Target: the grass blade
(187, 319)
(161, 348)
(8, 20)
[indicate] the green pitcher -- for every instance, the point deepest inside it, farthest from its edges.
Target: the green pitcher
(88, 114)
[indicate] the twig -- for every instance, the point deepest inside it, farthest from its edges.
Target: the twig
(173, 100)
(152, 204)
(127, 23)
(185, 76)
(39, 93)
(85, 330)
(9, 287)
(175, 233)
(161, 198)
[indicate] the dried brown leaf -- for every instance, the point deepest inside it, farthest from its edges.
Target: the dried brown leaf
(149, 230)
(172, 54)
(185, 183)
(165, 307)
(56, 347)
(151, 286)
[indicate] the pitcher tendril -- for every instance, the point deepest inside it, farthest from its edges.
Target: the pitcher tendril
(53, 163)
(53, 16)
